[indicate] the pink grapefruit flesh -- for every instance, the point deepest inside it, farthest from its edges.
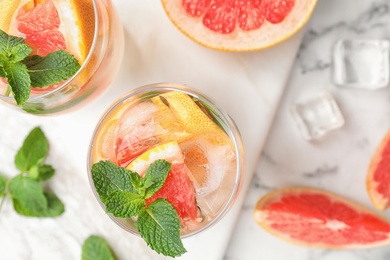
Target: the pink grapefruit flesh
(316, 218)
(244, 25)
(378, 176)
(179, 191)
(40, 25)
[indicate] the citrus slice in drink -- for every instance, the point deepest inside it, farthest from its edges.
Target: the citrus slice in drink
(142, 127)
(8, 8)
(245, 25)
(178, 188)
(106, 135)
(317, 218)
(169, 151)
(378, 176)
(60, 25)
(191, 117)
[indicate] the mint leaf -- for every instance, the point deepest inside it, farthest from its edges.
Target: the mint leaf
(7, 42)
(45, 172)
(124, 204)
(55, 67)
(108, 177)
(159, 226)
(54, 206)
(27, 196)
(33, 151)
(2, 72)
(19, 53)
(96, 248)
(19, 80)
(3, 184)
(155, 176)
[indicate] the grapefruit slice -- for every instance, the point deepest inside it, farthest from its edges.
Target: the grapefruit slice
(317, 218)
(142, 127)
(55, 25)
(178, 188)
(245, 25)
(378, 176)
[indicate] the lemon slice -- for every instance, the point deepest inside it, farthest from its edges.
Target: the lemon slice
(191, 117)
(170, 152)
(188, 113)
(8, 9)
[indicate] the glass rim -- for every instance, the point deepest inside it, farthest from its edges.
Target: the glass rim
(66, 82)
(231, 129)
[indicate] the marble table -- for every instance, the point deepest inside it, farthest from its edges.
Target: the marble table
(260, 80)
(337, 162)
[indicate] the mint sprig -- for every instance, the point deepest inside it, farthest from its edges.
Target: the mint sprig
(25, 189)
(124, 194)
(23, 71)
(96, 248)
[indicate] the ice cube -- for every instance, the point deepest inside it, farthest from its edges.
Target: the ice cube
(213, 171)
(317, 115)
(361, 64)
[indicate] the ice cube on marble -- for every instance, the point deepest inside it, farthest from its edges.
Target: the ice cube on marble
(317, 115)
(361, 64)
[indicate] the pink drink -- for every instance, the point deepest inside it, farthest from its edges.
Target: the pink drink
(88, 29)
(174, 123)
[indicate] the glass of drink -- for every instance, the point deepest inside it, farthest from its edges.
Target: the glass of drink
(90, 30)
(177, 124)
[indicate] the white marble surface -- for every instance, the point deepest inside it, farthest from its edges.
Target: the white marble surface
(247, 85)
(251, 85)
(337, 162)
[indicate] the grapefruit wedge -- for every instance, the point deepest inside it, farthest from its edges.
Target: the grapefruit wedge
(244, 25)
(317, 218)
(177, 188)
(378, 176)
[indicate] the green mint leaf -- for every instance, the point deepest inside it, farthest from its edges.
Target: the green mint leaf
(33, 151)
(27, 196)
(7, 42)
(2, 72)
(45, 172)
(19, 80)
(3, 185)
(122, 204)
(96, 248)
(54, 206)
(19, 53)
(159, 226)
(155, 176)
(54, 67)
(108, 177)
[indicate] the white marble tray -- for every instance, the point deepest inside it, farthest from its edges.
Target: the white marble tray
(247, 85)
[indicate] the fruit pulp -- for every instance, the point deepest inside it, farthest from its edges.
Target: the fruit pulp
(204, 174)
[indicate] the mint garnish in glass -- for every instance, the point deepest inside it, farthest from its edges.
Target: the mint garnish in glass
(124, 194)
(23, 72)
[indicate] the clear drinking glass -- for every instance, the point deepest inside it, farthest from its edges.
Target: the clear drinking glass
(216, 193)
(95, 74)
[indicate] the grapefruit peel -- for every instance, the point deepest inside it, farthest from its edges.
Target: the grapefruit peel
(380, 168)
(371, 224)
(265, 31)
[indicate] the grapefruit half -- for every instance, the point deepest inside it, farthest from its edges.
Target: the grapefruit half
(378, 176)
(244, 25)
(316, 218)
